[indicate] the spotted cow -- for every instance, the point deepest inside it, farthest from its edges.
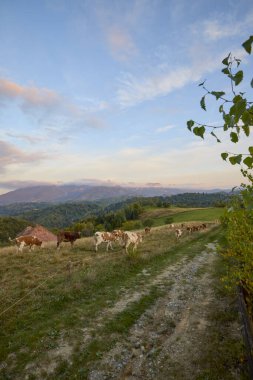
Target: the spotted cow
(26, 241)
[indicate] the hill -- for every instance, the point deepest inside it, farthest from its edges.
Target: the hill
(66, 214)
(66, 193)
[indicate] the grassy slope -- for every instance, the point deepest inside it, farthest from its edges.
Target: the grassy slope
(71, 296)
(180, 215)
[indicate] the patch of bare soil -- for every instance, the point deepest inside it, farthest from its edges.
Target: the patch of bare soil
(167, 340)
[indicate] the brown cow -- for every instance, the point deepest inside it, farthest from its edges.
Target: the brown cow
(67, 236)
(26, 241)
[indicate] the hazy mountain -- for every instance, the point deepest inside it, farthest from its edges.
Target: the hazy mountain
(65, 193)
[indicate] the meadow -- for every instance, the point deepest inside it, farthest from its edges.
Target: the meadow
(181, 214)
(62, 311)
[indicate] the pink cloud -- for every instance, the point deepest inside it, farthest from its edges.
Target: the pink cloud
(121, 44)
(45, 103)
(9, 154)
(29, 96)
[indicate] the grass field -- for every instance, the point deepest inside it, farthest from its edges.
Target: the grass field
(180, 215)
(49, 298)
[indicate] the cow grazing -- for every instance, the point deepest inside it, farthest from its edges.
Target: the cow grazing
(67, 236)
(26, 241)
(178, 233)
(131, 238)
(106, 237)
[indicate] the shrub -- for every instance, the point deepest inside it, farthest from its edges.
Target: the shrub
(131, 225)
(148, 222)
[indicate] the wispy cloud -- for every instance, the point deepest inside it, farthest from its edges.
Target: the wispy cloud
(10, 154)
(29, 138)
(30, 97)
(133, 91)
(48, 105)
(121, 44)
(165, 129)
(217, 29)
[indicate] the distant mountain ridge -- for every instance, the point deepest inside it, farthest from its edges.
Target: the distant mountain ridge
(68, 193)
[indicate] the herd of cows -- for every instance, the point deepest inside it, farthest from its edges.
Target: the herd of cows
(125, 238)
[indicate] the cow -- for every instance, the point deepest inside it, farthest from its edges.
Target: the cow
(67, 236)
(178, 233)
(130, 237)
(26, 241)
(106, 237)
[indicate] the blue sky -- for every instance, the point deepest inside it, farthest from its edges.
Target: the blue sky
(100, 91)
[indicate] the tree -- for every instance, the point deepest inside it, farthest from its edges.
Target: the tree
(237, 115)
(236, 111)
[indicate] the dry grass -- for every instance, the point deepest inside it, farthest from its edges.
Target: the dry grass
(65, 290)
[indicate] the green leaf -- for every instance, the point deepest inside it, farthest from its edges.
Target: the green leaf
(190, 124)
(237, 110)
(225, 70)
(246, 117)
(247, 44)
(238, 77)
(218, 94)
(246, 130)
(224, 156)
(237, 99)
(199, 131)
(225, 60)
(202, 103)
(251, 150)
(235, 159)
(234, 137)
(214, 135)
(248, 161)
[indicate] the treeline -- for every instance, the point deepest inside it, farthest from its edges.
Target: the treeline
(219, 199)
(126, 217)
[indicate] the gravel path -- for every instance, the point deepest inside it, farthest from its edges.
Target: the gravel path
(167, 337)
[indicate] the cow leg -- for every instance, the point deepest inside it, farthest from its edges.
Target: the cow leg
(126, 246)
(109, 245)
(96, 245)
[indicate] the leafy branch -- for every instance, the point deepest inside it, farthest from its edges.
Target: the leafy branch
(236, 111)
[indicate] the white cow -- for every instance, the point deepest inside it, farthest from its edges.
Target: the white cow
(178, 233)
(130, 237)
(104, 237)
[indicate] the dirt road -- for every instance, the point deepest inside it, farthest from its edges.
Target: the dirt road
(168, 340)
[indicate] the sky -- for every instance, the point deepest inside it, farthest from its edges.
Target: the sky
(96, 91)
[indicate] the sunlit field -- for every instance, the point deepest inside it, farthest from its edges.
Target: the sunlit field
(48, 292)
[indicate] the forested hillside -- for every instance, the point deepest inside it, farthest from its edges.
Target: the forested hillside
(10, 227)
(66, 214)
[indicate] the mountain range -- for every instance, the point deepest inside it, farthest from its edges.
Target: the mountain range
(75, 192)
